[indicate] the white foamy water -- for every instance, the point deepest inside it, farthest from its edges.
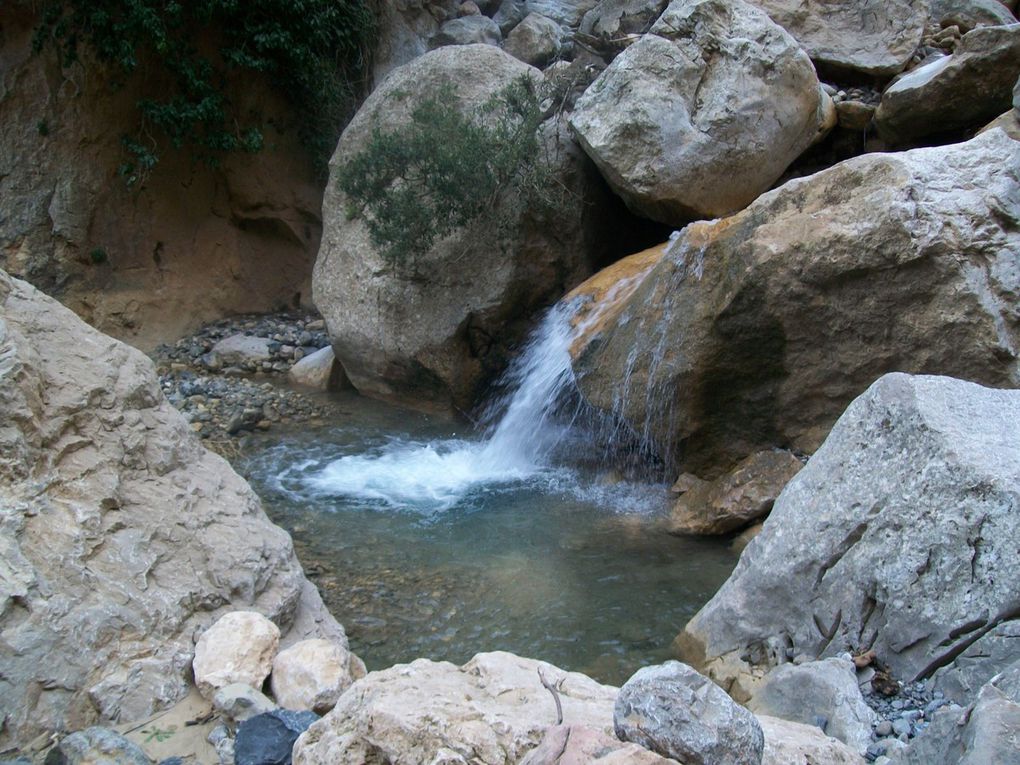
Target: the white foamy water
(517, 445)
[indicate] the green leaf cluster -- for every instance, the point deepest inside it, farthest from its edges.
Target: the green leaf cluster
(313, 51)
(446, 167)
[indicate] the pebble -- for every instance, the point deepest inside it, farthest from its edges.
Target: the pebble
(904, 716)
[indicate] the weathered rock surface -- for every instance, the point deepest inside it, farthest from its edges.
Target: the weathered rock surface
(509, 14)
(677, 712)
(791, 743)
(238, 648)
(238, 702)
(404, 30)
(311, 675)
(736, 499)
(611, 19)
(239, 350)
(97, 746)
(1008, 122)
(821, 693)
(715, 91)
(319, 371)
(980, 662)
(970, 14)
(121, 536)
(535, 41)
(490, 711)
(149, 263)
(886, 262)
(853, 35)
(865, 550)
(434, 335)
(567, 13)
(467, 30)
(956, 92)
(578, 745)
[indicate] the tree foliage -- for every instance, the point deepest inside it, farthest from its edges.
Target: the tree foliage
(445, 168)
(312, 51)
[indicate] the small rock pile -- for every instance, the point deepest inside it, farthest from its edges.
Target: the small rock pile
(226, 378)
(901, 717)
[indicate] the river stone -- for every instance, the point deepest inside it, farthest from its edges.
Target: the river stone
(239, 350)
(238, 702)
(434, 333)
(791, 743)
(853, 36)
(121, 537)
(238, 648)
(970, 14)
(834, 568)
(736, 499)
(318, 371)
(906, 261)
(827, 689)
(467, 30)
(535, 41)
(311, 675)
(715, 91)
(953, 93)
(677, 712)
(577, 745)
(268, 739)
(489, 711)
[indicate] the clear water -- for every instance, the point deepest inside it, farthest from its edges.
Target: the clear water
(429, 542)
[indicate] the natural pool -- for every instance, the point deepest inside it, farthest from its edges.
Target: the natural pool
(420, 552)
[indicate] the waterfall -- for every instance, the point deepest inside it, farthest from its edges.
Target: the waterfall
(518, 444)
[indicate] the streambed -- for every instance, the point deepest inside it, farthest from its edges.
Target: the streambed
(428, 541)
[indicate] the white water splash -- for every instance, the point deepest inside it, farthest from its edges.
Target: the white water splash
(517, 446)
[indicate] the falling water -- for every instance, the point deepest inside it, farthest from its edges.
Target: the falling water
(518, 444)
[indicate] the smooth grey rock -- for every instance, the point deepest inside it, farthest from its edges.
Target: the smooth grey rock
(97, 746)
(238, 702)
(510, 14)
(853, 35)
(677, 712)
(832, 568)
(467, 30)
(318, 371)
(535, 41)
(829, 689)
(889, 262)
(117, 527)
(268, 739)
(238, 350)
(970, 14)
(964, 90)
(716, 91)
(982, 660)
(567, 13)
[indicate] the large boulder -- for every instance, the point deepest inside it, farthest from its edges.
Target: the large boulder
(121, 537)
(490, 711)
(757, 330)
(238, 648)
(150, 263)
(716, 91)
(792, 743)
(950, 94)
(535, 41)
(853, 36)
(677, 712)
(434, 336)
(898, 536)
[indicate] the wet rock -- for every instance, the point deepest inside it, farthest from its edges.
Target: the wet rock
(736, 499)
(715, 91)
(535, 41)
(956, 92)
(490, 711)
(900, 261)
(819, 689)
(311, 675)
(238, 648)
(96, 746)
(679, 713)
(831, 570)
(238, 702)
(268, 739)
(854, 35)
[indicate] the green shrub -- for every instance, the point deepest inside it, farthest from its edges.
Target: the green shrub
(445, 168)
(313, 51)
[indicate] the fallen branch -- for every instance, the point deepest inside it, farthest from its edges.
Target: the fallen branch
(554, 690)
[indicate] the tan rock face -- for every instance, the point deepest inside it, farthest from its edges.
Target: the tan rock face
(490, 711)
(734, 500)
(311, 675)
(238, 648)
(792, 743)
(578, 745)
(758, 329)
(121, 537)
(188, 246)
